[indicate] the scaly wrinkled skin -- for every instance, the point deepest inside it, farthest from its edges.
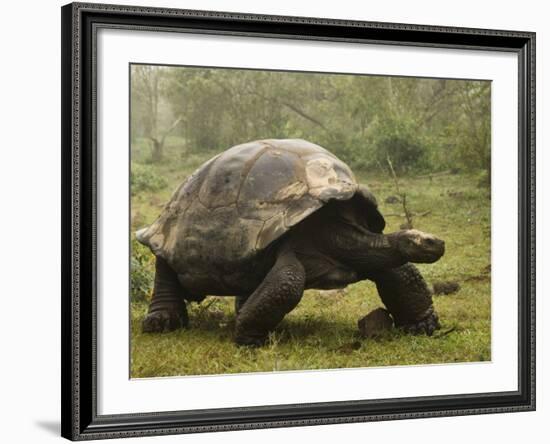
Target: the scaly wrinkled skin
(408, 298)
(276, 296)
(167, 310)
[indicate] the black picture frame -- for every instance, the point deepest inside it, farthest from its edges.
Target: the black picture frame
(79, 396)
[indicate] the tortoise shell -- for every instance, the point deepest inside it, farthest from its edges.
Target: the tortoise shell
(242, 200)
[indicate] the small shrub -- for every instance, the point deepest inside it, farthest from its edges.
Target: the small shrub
(144, 178)
(142, 272)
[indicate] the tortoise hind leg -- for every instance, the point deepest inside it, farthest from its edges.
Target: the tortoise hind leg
(407, 297)
(239, 302)
(277, 295)
(167, 310)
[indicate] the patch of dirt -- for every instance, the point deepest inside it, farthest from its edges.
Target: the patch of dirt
(392, 200)
(445, 287)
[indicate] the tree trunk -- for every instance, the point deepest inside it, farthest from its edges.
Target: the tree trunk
(157, 153)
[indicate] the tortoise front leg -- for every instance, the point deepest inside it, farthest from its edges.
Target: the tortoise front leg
(167, 310)
(277, 295)
(407, 297)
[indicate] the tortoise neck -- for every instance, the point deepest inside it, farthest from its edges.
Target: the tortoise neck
(361, 249)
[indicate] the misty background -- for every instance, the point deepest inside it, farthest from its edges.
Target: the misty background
(422, 125)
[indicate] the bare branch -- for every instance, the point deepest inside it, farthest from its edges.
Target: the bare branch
(408, 214)
(290, 106)
(171, 128)
(304, 115)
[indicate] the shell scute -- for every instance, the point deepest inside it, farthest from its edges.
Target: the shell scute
(273, 180)
(223, 182)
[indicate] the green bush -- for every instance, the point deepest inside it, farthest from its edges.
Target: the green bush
(144, 178)
(142, 272)
(401, 142)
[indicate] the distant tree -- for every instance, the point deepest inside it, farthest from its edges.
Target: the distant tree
(149, 89)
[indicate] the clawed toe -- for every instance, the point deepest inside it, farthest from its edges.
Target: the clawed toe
(163, 321)
(425, 326)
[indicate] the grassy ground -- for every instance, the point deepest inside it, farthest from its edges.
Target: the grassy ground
(321, 332)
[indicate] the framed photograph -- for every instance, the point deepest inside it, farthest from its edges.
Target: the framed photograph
(280, 221)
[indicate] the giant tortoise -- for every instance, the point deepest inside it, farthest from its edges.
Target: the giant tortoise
(265, 220)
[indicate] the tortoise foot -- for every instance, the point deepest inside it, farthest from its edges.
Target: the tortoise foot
(163, 321)
(250, 340)
(426, 325)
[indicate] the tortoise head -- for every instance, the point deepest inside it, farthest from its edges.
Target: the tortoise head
(417, 246)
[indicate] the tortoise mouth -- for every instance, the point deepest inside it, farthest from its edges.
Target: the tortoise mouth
(433, 250)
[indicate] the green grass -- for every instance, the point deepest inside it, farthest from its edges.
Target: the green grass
(321, 333)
